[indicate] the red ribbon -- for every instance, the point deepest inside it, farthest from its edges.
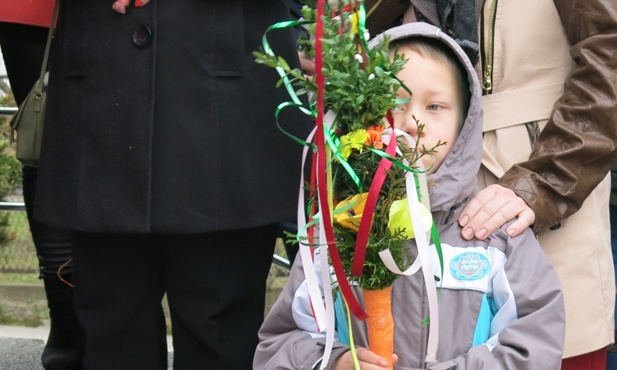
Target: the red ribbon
(371, 201)
(321, 169)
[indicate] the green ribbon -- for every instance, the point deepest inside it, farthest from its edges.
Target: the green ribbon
(279, 109)
(285, 79)
(335, 144)
(268, 50)
(352, 346)
(362, 27)
(395, 161)
(437, 241)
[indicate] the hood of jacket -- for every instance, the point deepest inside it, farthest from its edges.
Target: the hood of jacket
(454, 183)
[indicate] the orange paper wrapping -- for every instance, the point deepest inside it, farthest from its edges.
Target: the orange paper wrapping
(380, 324)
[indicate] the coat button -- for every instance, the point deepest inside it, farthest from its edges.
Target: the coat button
(141, 36)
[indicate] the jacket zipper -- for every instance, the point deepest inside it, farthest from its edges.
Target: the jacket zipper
(487, 49)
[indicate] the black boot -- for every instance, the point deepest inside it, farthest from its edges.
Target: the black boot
(54, 247)
(65, 344)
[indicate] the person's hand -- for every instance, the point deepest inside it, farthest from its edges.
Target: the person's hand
(490, 209)
(368, 361)
(307, 65)
(121, 5)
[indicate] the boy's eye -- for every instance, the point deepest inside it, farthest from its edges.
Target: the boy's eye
(433, 107)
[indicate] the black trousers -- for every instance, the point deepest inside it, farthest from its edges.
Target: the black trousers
(215, 285)
(23, 47)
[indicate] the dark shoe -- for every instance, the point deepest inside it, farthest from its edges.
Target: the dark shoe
(61, 359)
(65, 345)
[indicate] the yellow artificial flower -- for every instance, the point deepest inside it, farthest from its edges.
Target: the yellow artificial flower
(400, 218)
(354, 23)
(354, 208)
(353, 140)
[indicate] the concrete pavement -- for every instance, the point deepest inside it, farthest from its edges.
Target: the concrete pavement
(21, 347)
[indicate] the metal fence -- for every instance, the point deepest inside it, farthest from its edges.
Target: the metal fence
(7, 111)
(11, 206)
(19, 255)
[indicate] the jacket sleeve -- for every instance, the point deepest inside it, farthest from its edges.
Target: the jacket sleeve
(285, 340)
(528, 328)
(578, 145)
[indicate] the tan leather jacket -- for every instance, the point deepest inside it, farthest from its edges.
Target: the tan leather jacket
(579, 142)
(533, 46)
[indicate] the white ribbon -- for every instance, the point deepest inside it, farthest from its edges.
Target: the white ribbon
(310, 275)
(327, 295)
(324, 315)
(425, 257)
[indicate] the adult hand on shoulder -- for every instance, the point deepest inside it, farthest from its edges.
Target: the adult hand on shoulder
(368, 361)
(490, 209)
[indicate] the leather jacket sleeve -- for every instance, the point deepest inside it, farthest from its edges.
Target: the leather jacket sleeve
(579, 143)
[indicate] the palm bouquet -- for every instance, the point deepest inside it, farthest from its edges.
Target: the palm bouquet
(361, 169)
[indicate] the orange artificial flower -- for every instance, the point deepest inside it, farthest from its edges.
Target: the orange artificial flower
(374, 137)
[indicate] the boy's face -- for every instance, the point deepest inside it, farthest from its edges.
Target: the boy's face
(435, 103)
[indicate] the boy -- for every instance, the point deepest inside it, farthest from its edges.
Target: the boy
(500, 304)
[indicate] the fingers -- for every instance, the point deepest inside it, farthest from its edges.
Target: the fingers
(524, 220)
(490, 209)
(368, 361)
(477, 211)
(475, 204)
(394, 358)
(120, 6)
(364, 355)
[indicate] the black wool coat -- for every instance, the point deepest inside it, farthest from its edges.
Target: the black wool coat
(159, 120)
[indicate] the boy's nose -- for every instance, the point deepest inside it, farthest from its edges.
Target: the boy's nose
(411, 125)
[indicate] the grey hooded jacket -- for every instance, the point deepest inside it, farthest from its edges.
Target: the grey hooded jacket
(500, 304)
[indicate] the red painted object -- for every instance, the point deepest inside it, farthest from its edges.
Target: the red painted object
(31, 12)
